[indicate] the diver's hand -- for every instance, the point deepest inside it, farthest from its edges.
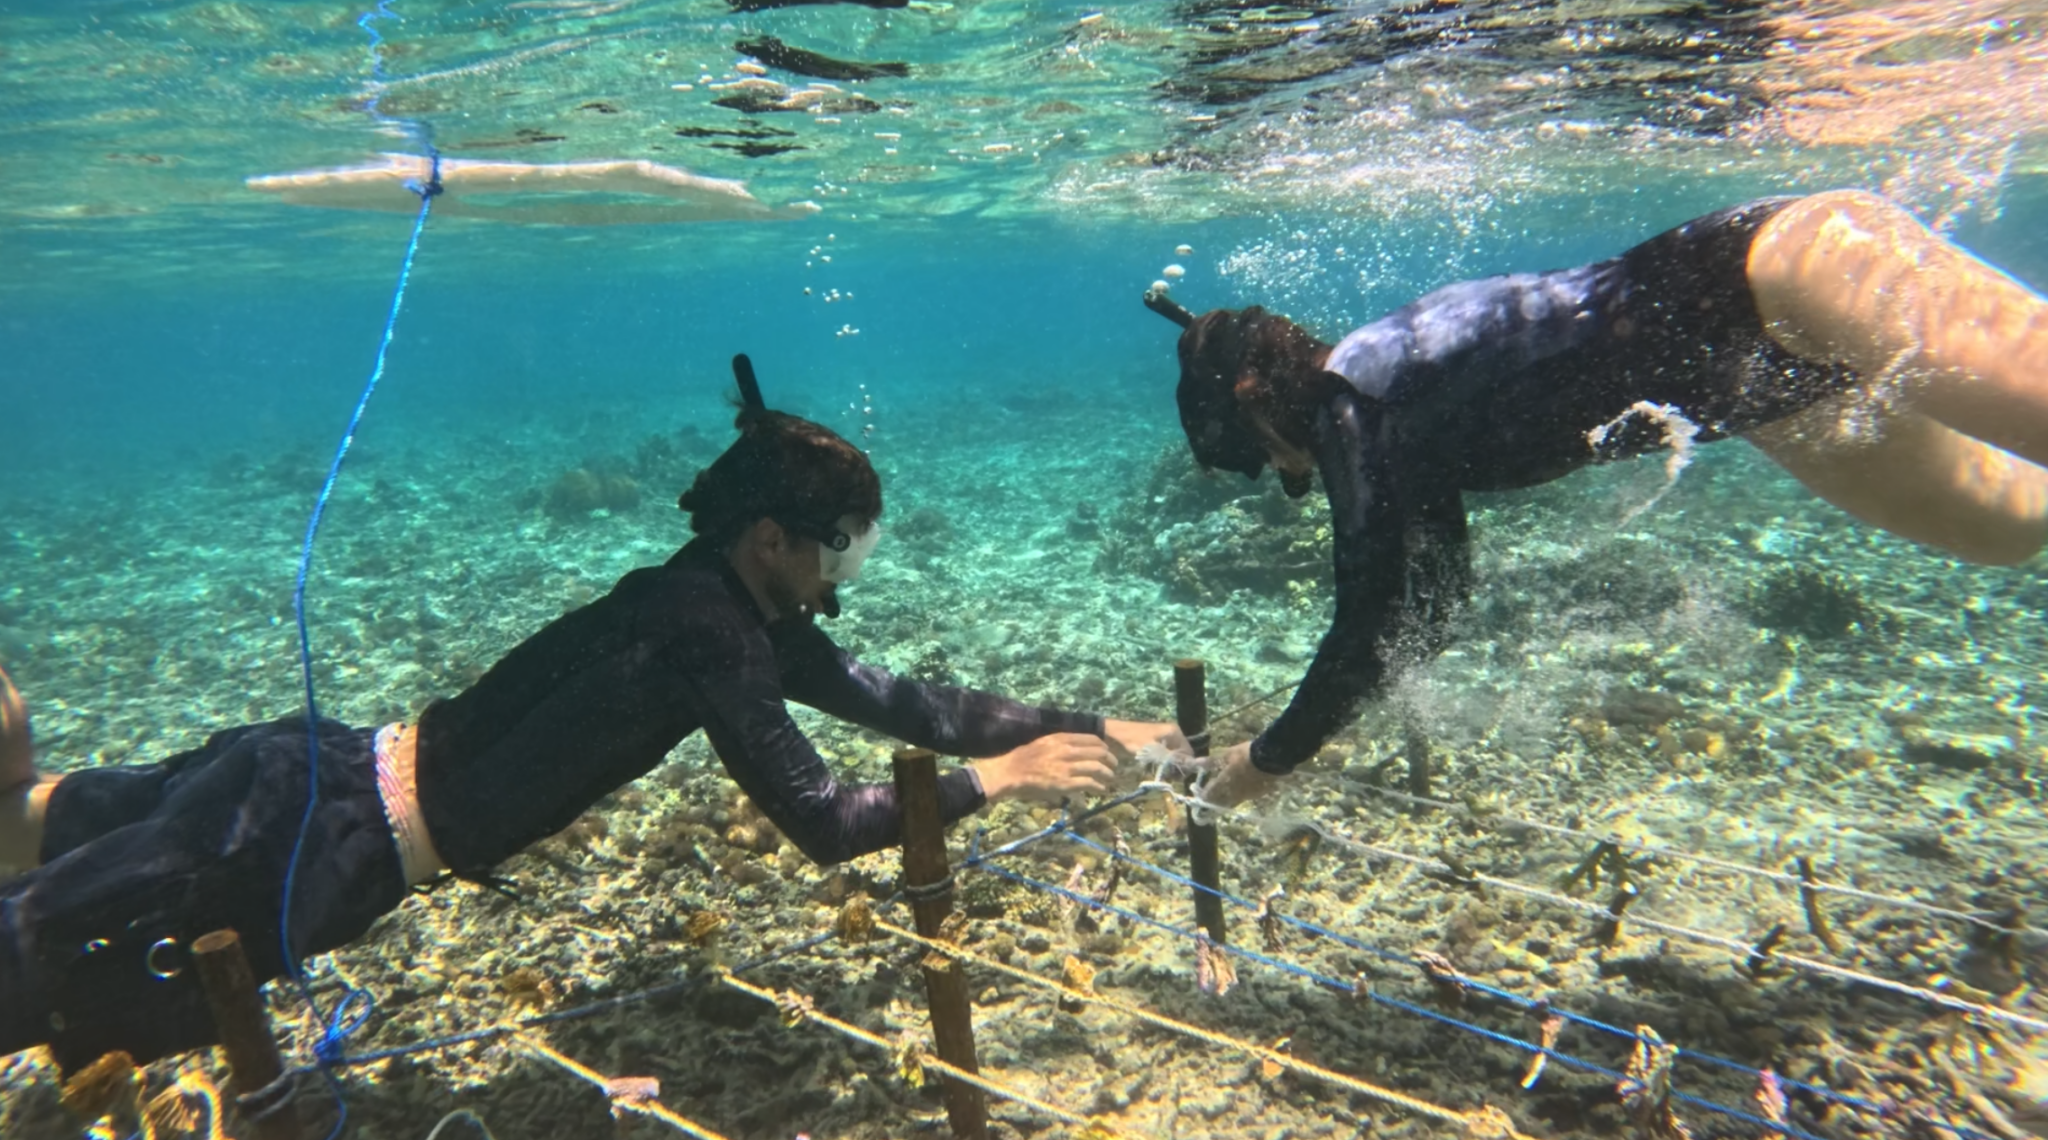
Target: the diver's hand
(1048, 769)
(1126, 737)
(1237, 781)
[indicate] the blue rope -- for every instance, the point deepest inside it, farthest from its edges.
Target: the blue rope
(412, 129)
(328, 1048)
(1344, 987)
(1492, 991)
(356, 1005)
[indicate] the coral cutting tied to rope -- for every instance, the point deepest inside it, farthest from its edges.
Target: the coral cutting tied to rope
(1769, 1088)
(1486, 1121)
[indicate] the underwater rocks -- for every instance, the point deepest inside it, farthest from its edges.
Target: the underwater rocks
(1817, 604)
(1956, 751)
(1205, 535)
(1605, 582)
(576, 493)
(763, 5)
(1640, 708)
(18, 645)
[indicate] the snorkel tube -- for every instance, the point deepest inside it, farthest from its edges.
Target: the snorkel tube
(1157, 301)
(750, 388)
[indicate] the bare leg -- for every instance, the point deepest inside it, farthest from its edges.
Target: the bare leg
(1942, 339)
(1852, 277)
(23, 796)
(1916, 478)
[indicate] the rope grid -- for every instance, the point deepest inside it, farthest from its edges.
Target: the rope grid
(1645, 847)
(1662, 851)
(1486, 1120)
(1351, 989)
(1068, 826)
(1742, 951)
(798, 1007)
(1745, 952)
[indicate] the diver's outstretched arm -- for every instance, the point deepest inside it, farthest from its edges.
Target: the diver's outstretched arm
(1944, 441)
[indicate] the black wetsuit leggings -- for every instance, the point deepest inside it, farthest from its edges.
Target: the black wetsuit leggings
(139, 861)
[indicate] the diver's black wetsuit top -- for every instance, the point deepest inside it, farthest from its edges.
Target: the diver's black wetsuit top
(139, 860)
(602, 694)
(1494, 384)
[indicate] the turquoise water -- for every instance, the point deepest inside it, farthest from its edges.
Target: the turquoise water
(178, 355)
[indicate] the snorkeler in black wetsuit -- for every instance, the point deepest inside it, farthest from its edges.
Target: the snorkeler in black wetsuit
(137, 861)
(1788, 321)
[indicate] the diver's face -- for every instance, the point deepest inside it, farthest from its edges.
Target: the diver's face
(795, 585)
(1295, 466)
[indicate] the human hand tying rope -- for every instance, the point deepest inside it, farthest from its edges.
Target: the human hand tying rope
(1237, 781)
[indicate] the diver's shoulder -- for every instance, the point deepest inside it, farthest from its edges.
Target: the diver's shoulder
(697, 595)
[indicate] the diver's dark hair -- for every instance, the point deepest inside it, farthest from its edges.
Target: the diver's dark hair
(784, 467)
(1237, 362)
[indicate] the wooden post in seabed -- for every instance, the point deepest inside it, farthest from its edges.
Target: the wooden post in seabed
(253, 1060)
(1191, 710)
(928, 882)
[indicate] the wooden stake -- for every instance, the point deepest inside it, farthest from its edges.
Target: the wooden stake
(1191, 709)
(928, 882)
(244, 1031)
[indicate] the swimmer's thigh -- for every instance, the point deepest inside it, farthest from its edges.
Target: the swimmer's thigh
(1917, 478)
(1854, 278)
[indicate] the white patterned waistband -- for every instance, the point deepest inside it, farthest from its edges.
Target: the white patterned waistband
(398, 787)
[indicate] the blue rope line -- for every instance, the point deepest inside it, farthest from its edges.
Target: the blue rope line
(1066, 822)
(411, 128)
(328, 1049)
(1346, 988)
(356, 1005)
(1492, 991)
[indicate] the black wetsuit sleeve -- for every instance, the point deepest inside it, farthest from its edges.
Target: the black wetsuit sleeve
(943, 718)
(1402, 565)
(604, 693)
(775, 764)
